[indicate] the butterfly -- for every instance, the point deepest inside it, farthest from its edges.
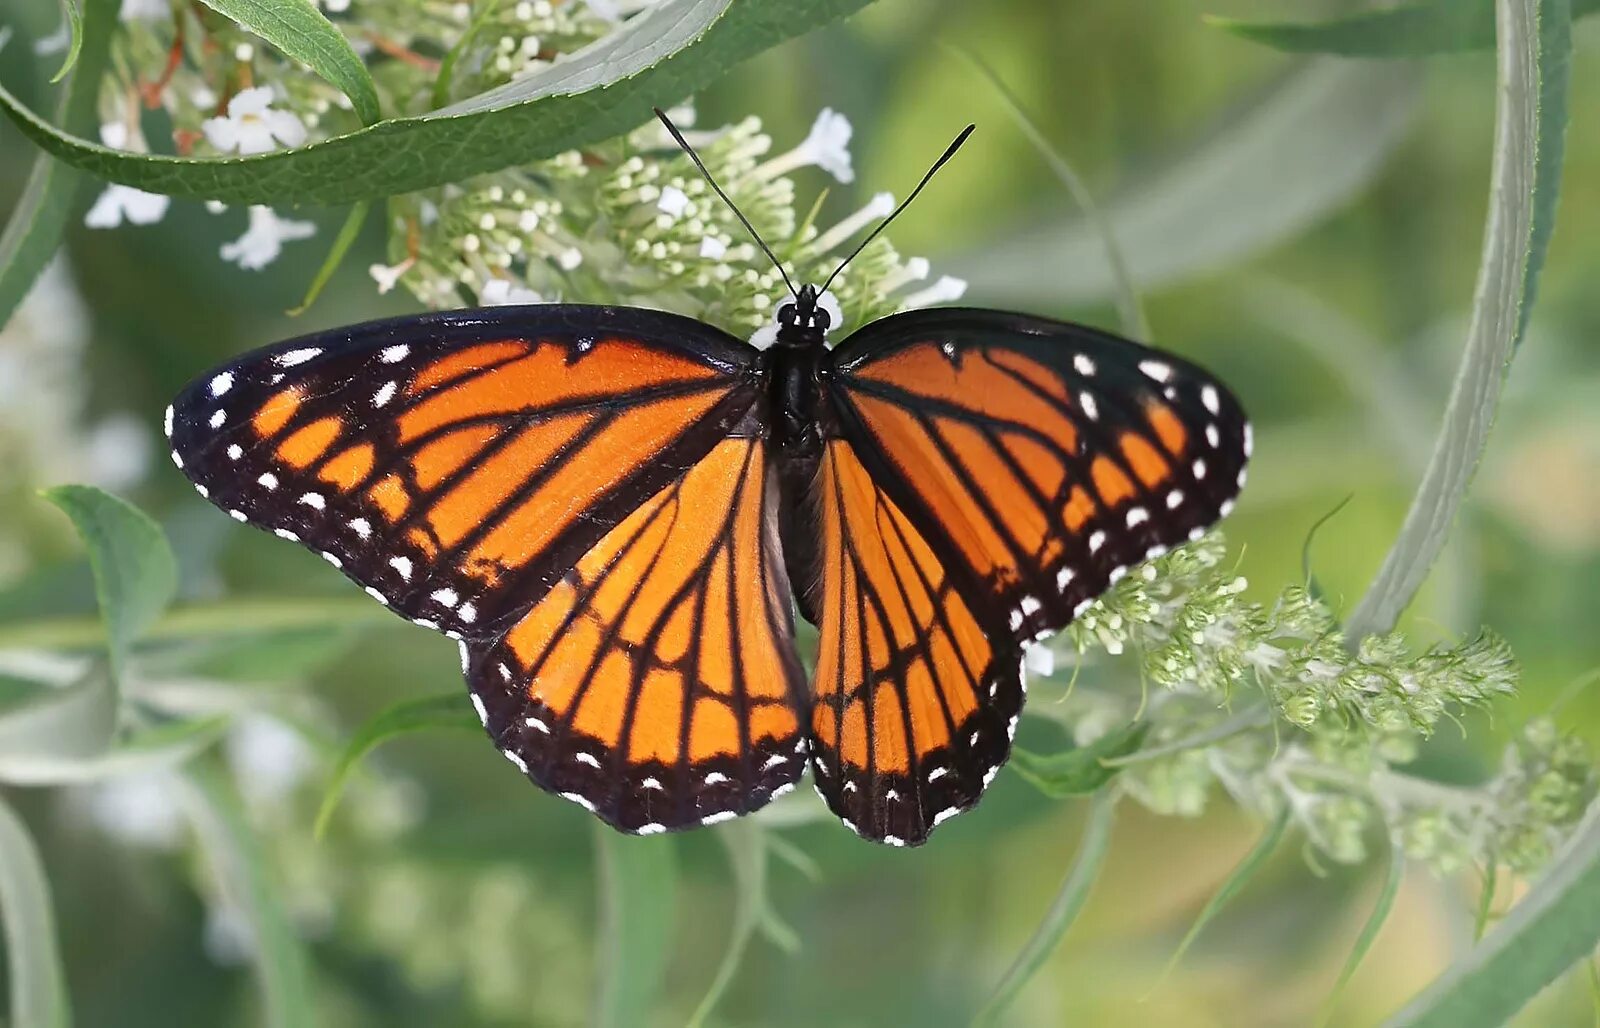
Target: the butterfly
(618, 512)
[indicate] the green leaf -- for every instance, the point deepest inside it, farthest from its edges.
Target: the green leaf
(638, 901)
(1392, 877)
(65, 724)
(447, 710)
(1063, 911)
(47, 201)
(135, 575)
(298, 29)
(74, 36)
(234, 855)
(1556, 925)
(1535, 47)
(268, 656)
(152, 749)
(35, 975)
(1241, 876)
(1267, 170)
(746, 843)
(666, 53)
(336, 254)
(1080, 771)
(1134, 323)
(1411, 30)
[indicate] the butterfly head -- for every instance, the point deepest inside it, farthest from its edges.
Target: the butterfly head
(805, 321)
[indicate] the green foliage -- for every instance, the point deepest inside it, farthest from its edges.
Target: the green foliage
(447, 710)
(1394, 872)
(1535, 71)
(655, 60)
(638, 910)
(1080, 770)
(298, 29)
(1235, 883)
(1081, 876)
(1408, 30)
(75, 39)
(33, 960)
(135, 574)
(30, 237)
(236, 860)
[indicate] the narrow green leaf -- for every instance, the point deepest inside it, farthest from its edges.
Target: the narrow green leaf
(638, 905)
(1063, 910)
(1535, 47)
(1265, 171)
(47, 201)
(71, 723)
(1080, 771)
(1312, 585)
(745, 841)
(239, 616)
(253, 657)
(74, 38)
(1556, 925)
(35, 975)
(1393, 875)
(298, 29)
(1241, 876)
(235, 857)
(135, 575)
(447, 710)
(1410, 30)
(1130, 311)
(659, 57)
(336, 254)
(152, 749)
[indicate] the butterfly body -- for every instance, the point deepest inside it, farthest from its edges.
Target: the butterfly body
(616, 512)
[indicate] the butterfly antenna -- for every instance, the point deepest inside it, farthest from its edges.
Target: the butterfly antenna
(698, 163)
(949, 152)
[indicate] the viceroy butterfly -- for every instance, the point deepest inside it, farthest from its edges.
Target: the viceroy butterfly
(609, 508)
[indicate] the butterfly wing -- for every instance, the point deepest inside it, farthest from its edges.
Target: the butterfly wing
(657, 683)
(1046, 457)
(458, 465)
(991, 475)
(916, 699)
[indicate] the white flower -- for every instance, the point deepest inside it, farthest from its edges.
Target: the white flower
(121, 203)
(253, 126)
(673, 202)
(827, 147)
(268, 758)
(947, 290)
(713, 248)
(498, 292)
(388, 276)
(141, 810)
(880, 206)
(264, 239)
(1040, 660)
(335, 6)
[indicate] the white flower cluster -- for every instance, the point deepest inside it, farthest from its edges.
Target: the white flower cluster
(1270, 703)
(628, 221)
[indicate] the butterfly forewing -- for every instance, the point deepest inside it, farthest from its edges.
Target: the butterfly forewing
(915, 704)
(657, 683)
(458, 465)
(1043, 459)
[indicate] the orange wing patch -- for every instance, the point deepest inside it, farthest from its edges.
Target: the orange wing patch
(657, 682)
(914, 707)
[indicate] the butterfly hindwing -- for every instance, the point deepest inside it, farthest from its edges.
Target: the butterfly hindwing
(457, 465)
(915, 703)
(657, 683)
(1045, 458)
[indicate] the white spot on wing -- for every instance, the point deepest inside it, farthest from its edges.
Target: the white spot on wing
(468, 613)
(937, 773)
(587, 758)
(361, 527)
(533, 722)
(1064, 578)
(650, 829)
(284, 533)
(1137, 516)
(1208, 396)
(1174, 499)
(221, 383)
(1249, 439)
(314, 501)
(522, 765)
(1096, 540)
(235, 451)
(1213, 439)
(716, 778)
(290, 358)
(218, 418)
(1156, 370)
(384, 395)
(652, 783)
(375, 594)
(1199, 468)
(447, 597)
(1084, 365)
(477, 704)
(1090, 408)
(721, 815)
(268, 479)
(579, 800)
(394, 354)
(166, 421)
(402, 565)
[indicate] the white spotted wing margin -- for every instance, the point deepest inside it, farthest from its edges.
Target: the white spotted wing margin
(456, 465)
(657, 685)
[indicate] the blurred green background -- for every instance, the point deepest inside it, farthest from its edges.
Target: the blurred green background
(1309, 230)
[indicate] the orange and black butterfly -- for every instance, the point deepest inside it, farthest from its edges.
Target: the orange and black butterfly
(616, 512)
